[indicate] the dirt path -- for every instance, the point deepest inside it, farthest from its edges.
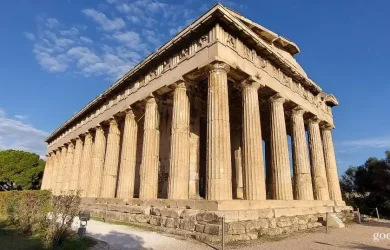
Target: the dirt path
(352, 237)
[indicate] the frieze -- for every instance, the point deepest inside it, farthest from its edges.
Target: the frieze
(273, 71)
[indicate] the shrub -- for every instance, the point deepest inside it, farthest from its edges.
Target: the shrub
(65, 208)
(28, 209)
(4, 203)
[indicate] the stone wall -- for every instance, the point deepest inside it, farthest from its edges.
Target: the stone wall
(207, 225)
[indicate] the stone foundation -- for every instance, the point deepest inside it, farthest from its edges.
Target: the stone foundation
(244, 220)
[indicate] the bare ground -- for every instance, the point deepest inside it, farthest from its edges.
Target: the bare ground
(354, 236)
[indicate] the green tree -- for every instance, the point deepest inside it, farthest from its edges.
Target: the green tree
(368, 186)
(23, 168)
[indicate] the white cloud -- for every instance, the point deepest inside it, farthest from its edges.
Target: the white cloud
(29, 36)
(52, 23)
(379, 142)
(14, 134)
(61, 47)
(70, 32)
(51, 63)
(106, 23)
(86, 39)
(21, 117)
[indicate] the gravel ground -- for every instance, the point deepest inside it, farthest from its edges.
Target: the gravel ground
(354, 236)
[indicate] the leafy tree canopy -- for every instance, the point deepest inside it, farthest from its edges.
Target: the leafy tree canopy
(368, 186)
(23, 168)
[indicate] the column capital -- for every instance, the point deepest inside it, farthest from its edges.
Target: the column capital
(277, 98)
(98, 128)
(112, 121)
(128, 111)
(327, 126)
(251, 82)
(314, 120)
(151, 98)
(180, 84)
(298, 111)
(218, 66)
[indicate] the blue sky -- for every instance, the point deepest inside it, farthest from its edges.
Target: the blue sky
(56, 56)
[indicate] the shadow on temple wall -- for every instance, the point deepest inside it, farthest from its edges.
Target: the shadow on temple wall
(121, 241)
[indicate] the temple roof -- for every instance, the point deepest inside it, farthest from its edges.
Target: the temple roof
(267, 34)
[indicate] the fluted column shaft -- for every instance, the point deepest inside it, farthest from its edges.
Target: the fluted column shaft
(320, 184)
(68, 167)
(99, 150)
(61, 170)
(46, 174)
(179, 173)
(56, 172)
(330, 165)
(74, 173)
(85, 169)
(50, 183)
(111, 164)
(253, 168)
(150, 151)
(126, 177)
(303, 188)
(281, 175)
(219, 170)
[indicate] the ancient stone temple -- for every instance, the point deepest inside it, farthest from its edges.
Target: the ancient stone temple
(199, 130)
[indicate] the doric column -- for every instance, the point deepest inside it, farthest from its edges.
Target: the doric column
(74, 173)
(303, 189)
(68, 167)
(330, 165)
(253, 167)
(126, 177)
(179, 173)
(53, 159)
(281, 175)
(150, 151)
(219, 170)
(320, 184)
(56, 168)
(98, 153)
(111, 163)
(85, 166)
(61, 170)
(46, 174)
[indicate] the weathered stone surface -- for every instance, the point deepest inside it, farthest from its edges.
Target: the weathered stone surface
(199, 228)
(155, 220)
(235, 228)
(302, 227)
(212, 229)
(171, 212)
(273, 231)
(155, 211)
(171, 222)
(272, 223)
(189, 214)
(207, 216)
(142, 218)
(283, 222)
(187, 224)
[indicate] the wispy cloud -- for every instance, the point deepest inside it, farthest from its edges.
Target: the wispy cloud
(378, 142)
(15, 134)
(21, 117)
(353, 146)
(118, 37)
(105, 22)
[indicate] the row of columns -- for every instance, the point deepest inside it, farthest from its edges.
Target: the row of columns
(92, 167)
